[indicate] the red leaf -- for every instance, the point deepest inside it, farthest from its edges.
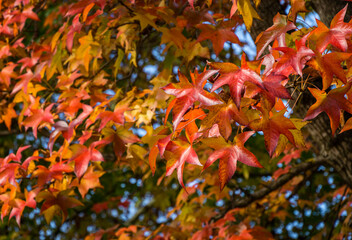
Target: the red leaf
(187, 93)
(83, 155)
(277, 31)
(339, 31)
(7, 73)
(8, 173)
(235, 78)
(18, 156)
(229, 154)
(218, 36)
(331, 103)
(23, 83)
(329, 66)
(272, 126)
(223, 115)
(117, 116)
(55, 171)
(296, 7)
(177, 154)
(89, 180)
(39, 116)
(20, 205)
(61, 200)
(295, 58)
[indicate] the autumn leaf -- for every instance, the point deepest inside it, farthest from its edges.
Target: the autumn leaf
(25, 79)
(229, 154)
(339, 31)
(18, 156)
(248, 12)
(329, 65)
(7, 73)
(235, 78)
(177, 153)
(89, 180)
(295, 58)
(189, 124)
(38, 117)
(120, 138)
(217, 35)
(83, 155)
(332, 103)
(223, 115)
(117, 116)
(56, 171)
(277, 31)
(56, 202)
(8, 173)
(347, 126)
(9, 114)
(296, 7)
(20, 204)
(187, 93)
(7, 199)
(273, 124)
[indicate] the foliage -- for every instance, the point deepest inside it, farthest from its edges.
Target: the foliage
(99, 97)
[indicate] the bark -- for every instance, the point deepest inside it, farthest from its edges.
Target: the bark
(337, 149)
(327, 9)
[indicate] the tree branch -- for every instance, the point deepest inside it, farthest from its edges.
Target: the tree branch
(272, 186)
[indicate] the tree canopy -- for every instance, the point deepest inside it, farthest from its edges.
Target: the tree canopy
(134, 119)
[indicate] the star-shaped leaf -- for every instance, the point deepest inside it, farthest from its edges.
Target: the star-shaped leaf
(56, 202)
(187, 93)
(37, 117)
(235, 78)
(229, 154)
(89, 180)
(117, 116)
(223, 115)
(277, 31)
(329, 66)
(56, 171)
(332, 103)
(295, 58)
(273, 124)
(83, 155)
(177, 153)
(296, 7)
(217, 35)
(339, 31)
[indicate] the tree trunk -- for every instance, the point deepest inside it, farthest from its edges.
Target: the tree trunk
(337, 149)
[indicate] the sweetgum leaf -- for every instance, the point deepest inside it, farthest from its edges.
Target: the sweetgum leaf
(235, 78)
(177, 153)
(217, 35)
(332, 103)
(187, 93)
(229, 154)
(339, 31)
(277, 31)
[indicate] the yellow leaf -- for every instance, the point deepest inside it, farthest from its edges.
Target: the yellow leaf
(118, 61)
(51, 212)
(248, 12)
(86, 11)
(145, 19)
(54, 40)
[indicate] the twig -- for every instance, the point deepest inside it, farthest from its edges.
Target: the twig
(128, 8)
(272, 186)
(337, 213)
